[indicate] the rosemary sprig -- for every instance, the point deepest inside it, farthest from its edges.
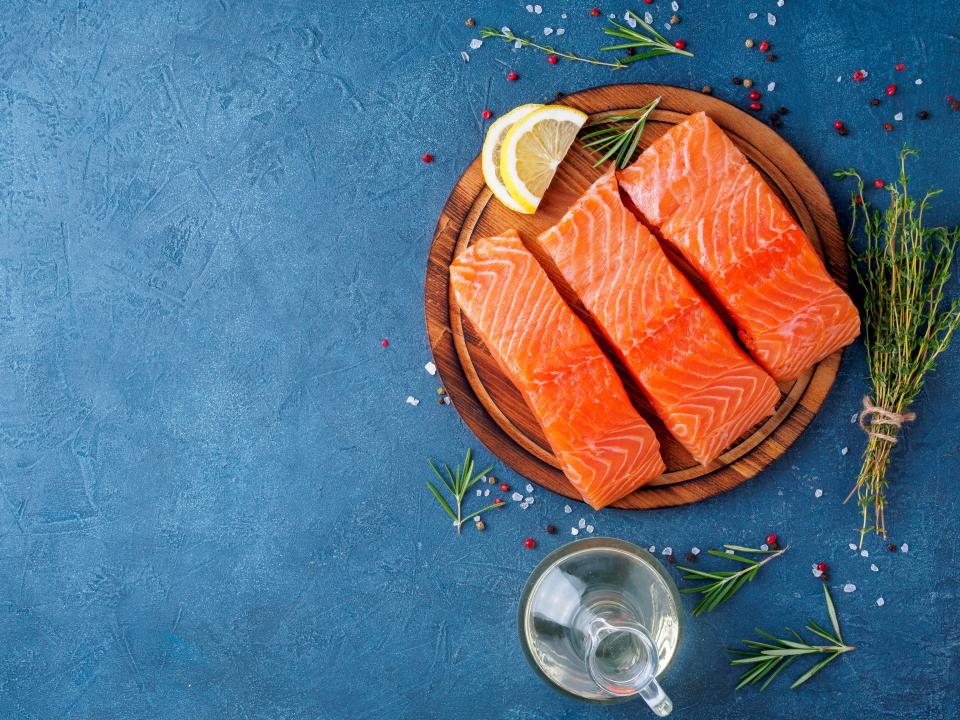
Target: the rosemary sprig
(615, 140)
(458, 482)
(652, 44)
(720, 585)
(908, 322)
(765, 660)
(508, 35)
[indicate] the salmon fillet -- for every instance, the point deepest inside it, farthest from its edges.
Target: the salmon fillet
(706, 199)
(606, 449)
(700, 383)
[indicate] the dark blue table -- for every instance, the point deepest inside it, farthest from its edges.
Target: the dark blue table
(212, 486)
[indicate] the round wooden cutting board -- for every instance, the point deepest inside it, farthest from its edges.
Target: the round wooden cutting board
(494, 409)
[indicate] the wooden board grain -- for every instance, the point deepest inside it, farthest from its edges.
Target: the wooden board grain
(493, 408)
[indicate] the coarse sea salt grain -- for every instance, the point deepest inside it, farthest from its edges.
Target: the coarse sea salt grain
(674, 6)
(548, 31)
(516, 497)
(752, 16)
(849, 588)
(411, 400)
(486, 493)
(589, 528)
(854, 418)
(581, 523)
(567, 509)
(881, 602)
(631, 21)
(852, 546)
(652, 548)
(667, 26)
(524, 506)
(874, 567)
(694, 550)
(818, 493)
(898, 117)
(480, 492)
(529, 8)
(648, 18)
(817, 573)
(839, 78)
(476, 43)
(844, 450)
(517, 44)
(667, 551)
(771, 19)
(537, 9)
(864, 553)
(563, 16)
(528, 500)
(430, 368)
(561, 31)
(918, 81)
(529, 488)
(465, 56)
(729, 552)
(779, 3)
(771, 87)
(764, 547)
(904, 548)
(574, 531)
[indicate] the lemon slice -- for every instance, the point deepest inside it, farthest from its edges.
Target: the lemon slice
(532, 150)
(490, 155)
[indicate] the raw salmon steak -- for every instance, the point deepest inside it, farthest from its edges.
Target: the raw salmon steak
(706, 199)
(700, 383)
(605, 448)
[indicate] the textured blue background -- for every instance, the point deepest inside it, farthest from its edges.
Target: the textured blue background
(212, 489)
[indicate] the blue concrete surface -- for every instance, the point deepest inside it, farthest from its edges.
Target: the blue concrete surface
(212, 488)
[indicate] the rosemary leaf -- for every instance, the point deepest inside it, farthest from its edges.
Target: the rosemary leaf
(616, 140)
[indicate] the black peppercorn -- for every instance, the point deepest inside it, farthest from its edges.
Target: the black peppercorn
(782, 110)
(842, 131)
(736, 81)
(691, 557)
(706, 90)
(630, 52)
(888, 127)
(771, 58)
(891, 547)
(552, 529)
(874, 102)
(923, 114)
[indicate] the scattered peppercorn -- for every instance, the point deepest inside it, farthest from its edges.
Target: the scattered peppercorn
(498, 501)
(674, 19)
(427, 158)
(486, 114)
(691, 557)
(955, 105)
(748, 83)
(529, 543)
(492, 480)
(891, 89)
(470, 22)
(553, 59)
(754, 95)
(825, 577)
(384, 343)
(764, 45)
(949, 98)
(888, 127)
(595, 12)
(874, 102)
(891, 548)
(878, 184)
(838, 124)
(736, 81)
(671, 559)
(782, 110)
(756, 107)
(551, 529)
(822, 567)
(630, 52)
(858, 75)
(776, 122)
(748, 42)
(771, 539)
(648, 2)
(504, 487)
(899, 67)
(680, 44)
(843, 132)
(774, 117)
(771, 58)
(441, 391)
(859, 199)
(440, 401)
(706, 90)
(480, 525)
(512, 76)
(923, 114)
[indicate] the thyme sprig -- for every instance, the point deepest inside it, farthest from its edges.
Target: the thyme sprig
(765, 660)
(614, 139)
(720, 585)
(508, 35)
(458, 482)
(908, 321)
(651, 45)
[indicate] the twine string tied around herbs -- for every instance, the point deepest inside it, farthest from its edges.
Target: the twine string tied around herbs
(873, 415)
